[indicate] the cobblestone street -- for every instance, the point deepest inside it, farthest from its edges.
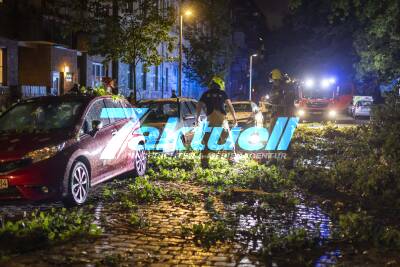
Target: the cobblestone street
(158, 244)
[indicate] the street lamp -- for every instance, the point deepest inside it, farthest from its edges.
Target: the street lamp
(187, 13)
(251, 75)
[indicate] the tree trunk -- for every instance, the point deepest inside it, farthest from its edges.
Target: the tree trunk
(134, 83)
(115, 63)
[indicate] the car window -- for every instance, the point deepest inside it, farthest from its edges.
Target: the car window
(254, 107)
(185, 109)
(160, 111)
(192, 107)
(111, 104)
(41, 116)
(364, 104)
(93, 114)
(128, 110)
(242, 107)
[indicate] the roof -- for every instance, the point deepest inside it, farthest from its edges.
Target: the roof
(242, 102)
(66, 97)
(167, 100)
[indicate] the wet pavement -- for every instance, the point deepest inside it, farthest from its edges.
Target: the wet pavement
(158, 244)
(161, 243)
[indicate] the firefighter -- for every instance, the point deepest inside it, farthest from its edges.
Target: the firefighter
(214, 101)
(277, 97)
(289, 95)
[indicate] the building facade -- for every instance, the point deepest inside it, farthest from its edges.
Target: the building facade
(36, 59)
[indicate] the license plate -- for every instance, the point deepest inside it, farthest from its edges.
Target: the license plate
(3, 183)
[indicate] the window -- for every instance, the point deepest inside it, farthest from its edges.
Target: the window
(41, 116)
(192, 106)
(95, 114)
(167, 79)
(185, 109)
(161, 111)
(98, 72)
(144, 78)
(2, 67)
(111, 104)
(130, 114)
(156, 78)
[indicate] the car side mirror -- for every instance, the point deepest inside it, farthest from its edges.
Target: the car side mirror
(96, 126)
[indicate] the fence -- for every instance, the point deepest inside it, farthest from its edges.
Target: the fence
(29, 91)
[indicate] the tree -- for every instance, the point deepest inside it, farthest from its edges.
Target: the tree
(128, 30)
(377, 41)
(376, 37)
(210, 50)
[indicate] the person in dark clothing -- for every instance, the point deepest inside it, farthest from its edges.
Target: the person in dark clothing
(278, 99)
(75, 89)
(173, 95)
(214, 101)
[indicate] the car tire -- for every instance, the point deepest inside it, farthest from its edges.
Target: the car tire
(140, 161)
(78, 185)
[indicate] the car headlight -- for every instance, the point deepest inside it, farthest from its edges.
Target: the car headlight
(44, 153)
(332, 113)
(301, 113)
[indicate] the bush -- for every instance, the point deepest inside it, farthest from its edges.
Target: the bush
(46, 228)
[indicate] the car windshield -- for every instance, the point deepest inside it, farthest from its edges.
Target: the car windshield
(364, 103)
(242, 107)
(161, 111)
(40, 116)
(318, 93)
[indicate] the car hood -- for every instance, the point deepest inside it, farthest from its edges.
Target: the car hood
(15, 146)
(241, 116)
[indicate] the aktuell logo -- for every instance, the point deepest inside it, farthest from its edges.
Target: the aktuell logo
(250, 139)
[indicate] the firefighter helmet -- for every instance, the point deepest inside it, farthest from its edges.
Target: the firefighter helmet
(276, 74)
(218, 81)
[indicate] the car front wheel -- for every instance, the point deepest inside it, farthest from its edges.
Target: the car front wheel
(140, 161)
(78, 185)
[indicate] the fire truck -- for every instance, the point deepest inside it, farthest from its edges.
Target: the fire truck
(324, 98)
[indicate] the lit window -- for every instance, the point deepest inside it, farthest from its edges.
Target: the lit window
(98, 72)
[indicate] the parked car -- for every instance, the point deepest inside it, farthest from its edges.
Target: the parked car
(360, 106)
(248, 114)
(59, 147)
(362, 109)
(160, 110)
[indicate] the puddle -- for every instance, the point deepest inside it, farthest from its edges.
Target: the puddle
(259, 219)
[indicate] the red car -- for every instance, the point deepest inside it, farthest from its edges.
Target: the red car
(59, 147)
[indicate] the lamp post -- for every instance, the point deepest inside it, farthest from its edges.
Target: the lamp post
(251, 75)
(187, 13)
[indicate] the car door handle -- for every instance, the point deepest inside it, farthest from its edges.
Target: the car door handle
(113, 133)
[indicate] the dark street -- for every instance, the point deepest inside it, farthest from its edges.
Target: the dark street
(199, 133)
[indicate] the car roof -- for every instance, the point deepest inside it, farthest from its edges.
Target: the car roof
(67, 97)
(242, 102)
(161, 100)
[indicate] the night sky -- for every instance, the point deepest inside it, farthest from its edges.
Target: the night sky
(274, 11)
